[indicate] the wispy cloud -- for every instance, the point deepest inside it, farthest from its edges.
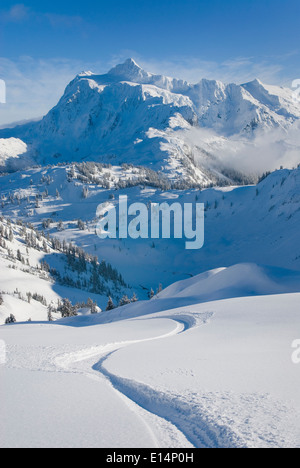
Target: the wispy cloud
(20, 13)
(16, 14)
(68, 21)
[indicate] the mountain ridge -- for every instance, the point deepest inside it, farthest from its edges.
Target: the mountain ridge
(132, 116)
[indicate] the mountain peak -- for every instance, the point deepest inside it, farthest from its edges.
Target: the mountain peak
(129, 70)
(254, 83)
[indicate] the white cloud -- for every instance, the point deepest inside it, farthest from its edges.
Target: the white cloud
(17, 13)
(267, 151)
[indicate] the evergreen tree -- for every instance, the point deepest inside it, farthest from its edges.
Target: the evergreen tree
(67, 310)
(10, 319)
(19, 256)
(81, 225)
(134, 298)
(50, 311)
(151, 294)
(124, 301)
(110, 304)
(92, 305)
(85, 192)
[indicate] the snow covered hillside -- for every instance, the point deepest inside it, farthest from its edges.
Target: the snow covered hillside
(215, 375)
(253, 224)
(192, 133)
(37, 273)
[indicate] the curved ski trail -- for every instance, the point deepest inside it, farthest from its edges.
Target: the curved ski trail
(171, 421)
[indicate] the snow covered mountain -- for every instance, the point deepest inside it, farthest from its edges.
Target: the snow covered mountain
(168, 125)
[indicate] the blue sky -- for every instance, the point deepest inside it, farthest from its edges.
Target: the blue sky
(44, 44)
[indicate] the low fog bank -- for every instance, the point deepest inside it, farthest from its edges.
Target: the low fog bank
(267, 151)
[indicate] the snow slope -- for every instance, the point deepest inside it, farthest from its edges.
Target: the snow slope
(29, 269)
(13, 154)
(131, 116)
(207, 375)
(228, 383)
(236, 281)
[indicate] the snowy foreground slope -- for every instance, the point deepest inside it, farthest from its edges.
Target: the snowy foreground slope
(201, 133)
(215, 374)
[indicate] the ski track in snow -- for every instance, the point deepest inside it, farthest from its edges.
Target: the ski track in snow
(164, 432)
(180, 414)
(175, 420)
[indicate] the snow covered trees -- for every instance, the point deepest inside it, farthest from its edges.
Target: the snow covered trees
(46, 223)
(60, 226)
(39, 298)
(67, 309)
(73, 268)
(134, 298)
(50, 312)
(92, 276)
(110, 305)
(92, 306)
(102, 175)
(11, 319)
(80, 225)
(124, 301)
(151, 294)
(85, 192)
